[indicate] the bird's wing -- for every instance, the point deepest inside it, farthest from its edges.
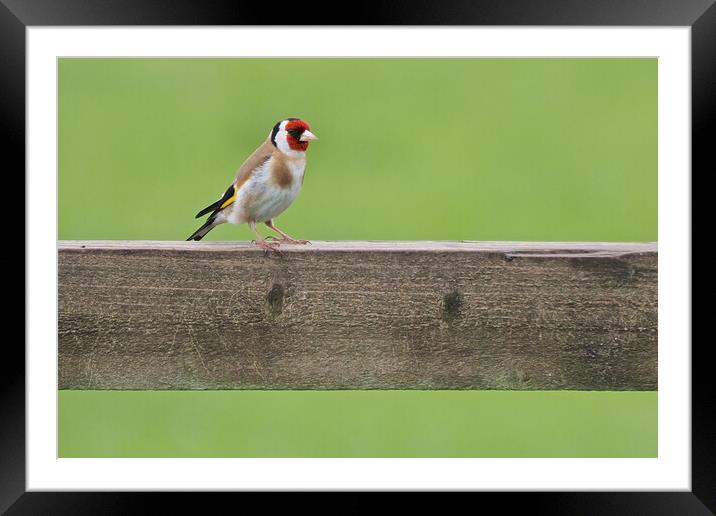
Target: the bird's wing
(248, 167)
(253, 162)
(222, 203)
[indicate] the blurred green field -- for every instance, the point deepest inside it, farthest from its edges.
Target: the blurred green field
(358, 424)
(429, 149)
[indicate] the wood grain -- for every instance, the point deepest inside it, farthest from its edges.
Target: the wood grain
(357, 315)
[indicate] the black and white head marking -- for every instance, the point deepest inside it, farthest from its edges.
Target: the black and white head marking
(280, 126)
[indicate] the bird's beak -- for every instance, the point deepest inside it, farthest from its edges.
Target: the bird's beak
(307, 136)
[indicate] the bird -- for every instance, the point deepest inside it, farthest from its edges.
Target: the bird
(265, 185)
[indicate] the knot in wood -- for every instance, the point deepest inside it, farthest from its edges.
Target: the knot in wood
(275, 298)
(451, 305)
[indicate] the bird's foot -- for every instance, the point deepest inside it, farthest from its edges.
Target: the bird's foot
(268, 246)
(287, 240)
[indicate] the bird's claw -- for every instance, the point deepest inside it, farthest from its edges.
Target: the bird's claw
(266, 246)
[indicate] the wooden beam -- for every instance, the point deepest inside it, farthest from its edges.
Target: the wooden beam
(357, 315)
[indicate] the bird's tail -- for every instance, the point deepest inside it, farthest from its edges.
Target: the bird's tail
(203, 230)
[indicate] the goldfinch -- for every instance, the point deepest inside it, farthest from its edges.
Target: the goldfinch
(265, 184)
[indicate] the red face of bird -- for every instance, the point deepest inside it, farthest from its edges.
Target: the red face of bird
(292, 135)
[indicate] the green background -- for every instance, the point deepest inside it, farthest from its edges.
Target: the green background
(429, 149)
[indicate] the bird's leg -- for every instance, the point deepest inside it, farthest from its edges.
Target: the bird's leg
(263, 243)
(286, 239)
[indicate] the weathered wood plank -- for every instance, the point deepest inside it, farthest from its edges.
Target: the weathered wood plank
(358, 315)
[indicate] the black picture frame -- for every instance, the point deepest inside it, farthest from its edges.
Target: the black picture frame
(700, 15)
